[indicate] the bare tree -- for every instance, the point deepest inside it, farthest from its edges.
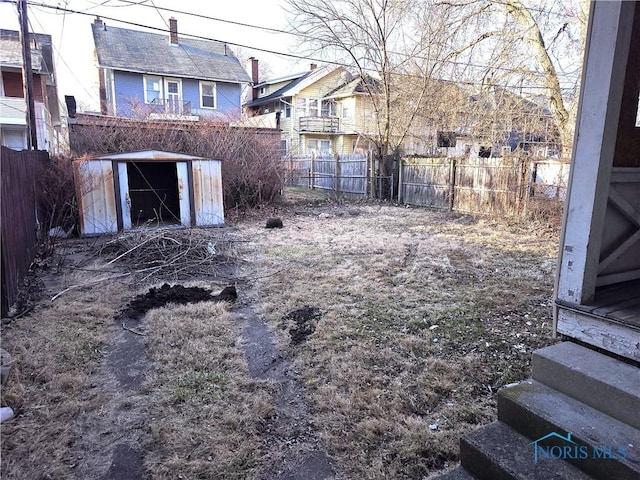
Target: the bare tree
(533, 46)
(384, 41)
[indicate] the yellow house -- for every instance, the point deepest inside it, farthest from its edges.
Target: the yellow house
(324, 110)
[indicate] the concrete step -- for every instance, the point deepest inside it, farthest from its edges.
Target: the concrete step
(600, 381)
(457, 473)
(564, 427)
(496, 452)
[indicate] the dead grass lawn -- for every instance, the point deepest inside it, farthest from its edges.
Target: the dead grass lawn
(424, 315)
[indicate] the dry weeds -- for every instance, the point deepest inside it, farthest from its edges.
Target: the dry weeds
(423, 316)
(56, 351)
(208, 416)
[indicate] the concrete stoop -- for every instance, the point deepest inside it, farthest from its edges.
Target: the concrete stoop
(577, 418)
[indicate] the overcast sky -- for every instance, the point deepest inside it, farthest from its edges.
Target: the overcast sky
(73, 42)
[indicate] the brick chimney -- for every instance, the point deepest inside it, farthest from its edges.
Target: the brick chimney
(314, 66)
(98, 21)
(173, 30)
(255, 77)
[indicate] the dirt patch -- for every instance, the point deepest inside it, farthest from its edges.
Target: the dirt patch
(304, 320)
(178, 294)
(294, 448)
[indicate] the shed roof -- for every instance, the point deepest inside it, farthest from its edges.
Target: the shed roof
(152, 53)
(150, 155)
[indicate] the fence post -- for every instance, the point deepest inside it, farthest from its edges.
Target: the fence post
(392, 184)
(312, 171)
(528, 184)
(400, 180)
(452, 183)
(337, 176)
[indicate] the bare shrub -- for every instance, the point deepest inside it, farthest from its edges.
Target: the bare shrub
(251, 166)
(57, 212)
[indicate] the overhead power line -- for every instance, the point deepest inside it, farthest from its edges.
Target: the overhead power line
(65, 10)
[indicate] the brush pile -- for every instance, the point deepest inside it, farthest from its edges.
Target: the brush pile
(174, 254)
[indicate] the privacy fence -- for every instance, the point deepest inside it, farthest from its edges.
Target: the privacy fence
(499, 185)
(354, 174)
(18, 224)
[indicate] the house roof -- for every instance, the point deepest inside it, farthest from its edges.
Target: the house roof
(295, 86)
(11, 51)
(152, 53)
(355, 86)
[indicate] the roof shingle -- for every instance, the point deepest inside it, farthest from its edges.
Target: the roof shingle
(151, 53)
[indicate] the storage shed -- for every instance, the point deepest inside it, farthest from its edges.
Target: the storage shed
(145, 189)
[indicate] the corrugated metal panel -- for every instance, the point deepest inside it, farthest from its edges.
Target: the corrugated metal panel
(97, 197)
(125, 199)
(183, 193)
(207, 192)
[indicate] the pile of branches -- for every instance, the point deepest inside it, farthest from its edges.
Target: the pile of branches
(173, 254)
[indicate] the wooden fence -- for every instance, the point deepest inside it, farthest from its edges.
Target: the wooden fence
(497, 186)
(18, 221)
(343, 174)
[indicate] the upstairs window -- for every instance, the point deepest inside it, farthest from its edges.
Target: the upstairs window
(313, 109)
(207, 94)
(328, 108)
(152, 89)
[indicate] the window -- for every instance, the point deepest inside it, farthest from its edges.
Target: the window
(287, 109)
(319, 146)
(152, 89)
(328, 108)
(208, 94)
(446, 139)
(313, 110)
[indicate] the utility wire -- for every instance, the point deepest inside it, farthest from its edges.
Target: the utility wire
(300, 57)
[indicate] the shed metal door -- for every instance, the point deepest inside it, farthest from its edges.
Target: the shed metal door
(97, 197)
(207, 192)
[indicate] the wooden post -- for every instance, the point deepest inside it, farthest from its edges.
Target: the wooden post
(337, 176)
(372, 174)
(312, 171)
(452, 183)
(400, 180)
(292, 181)
(27, 76)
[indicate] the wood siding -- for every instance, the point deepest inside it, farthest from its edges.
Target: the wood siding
(19, 236)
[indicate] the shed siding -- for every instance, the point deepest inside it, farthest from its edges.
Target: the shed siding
(125, 199)
(207, 192)
(183, 193)
(97, 197)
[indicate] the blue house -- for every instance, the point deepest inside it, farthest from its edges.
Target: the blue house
(150, 75)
